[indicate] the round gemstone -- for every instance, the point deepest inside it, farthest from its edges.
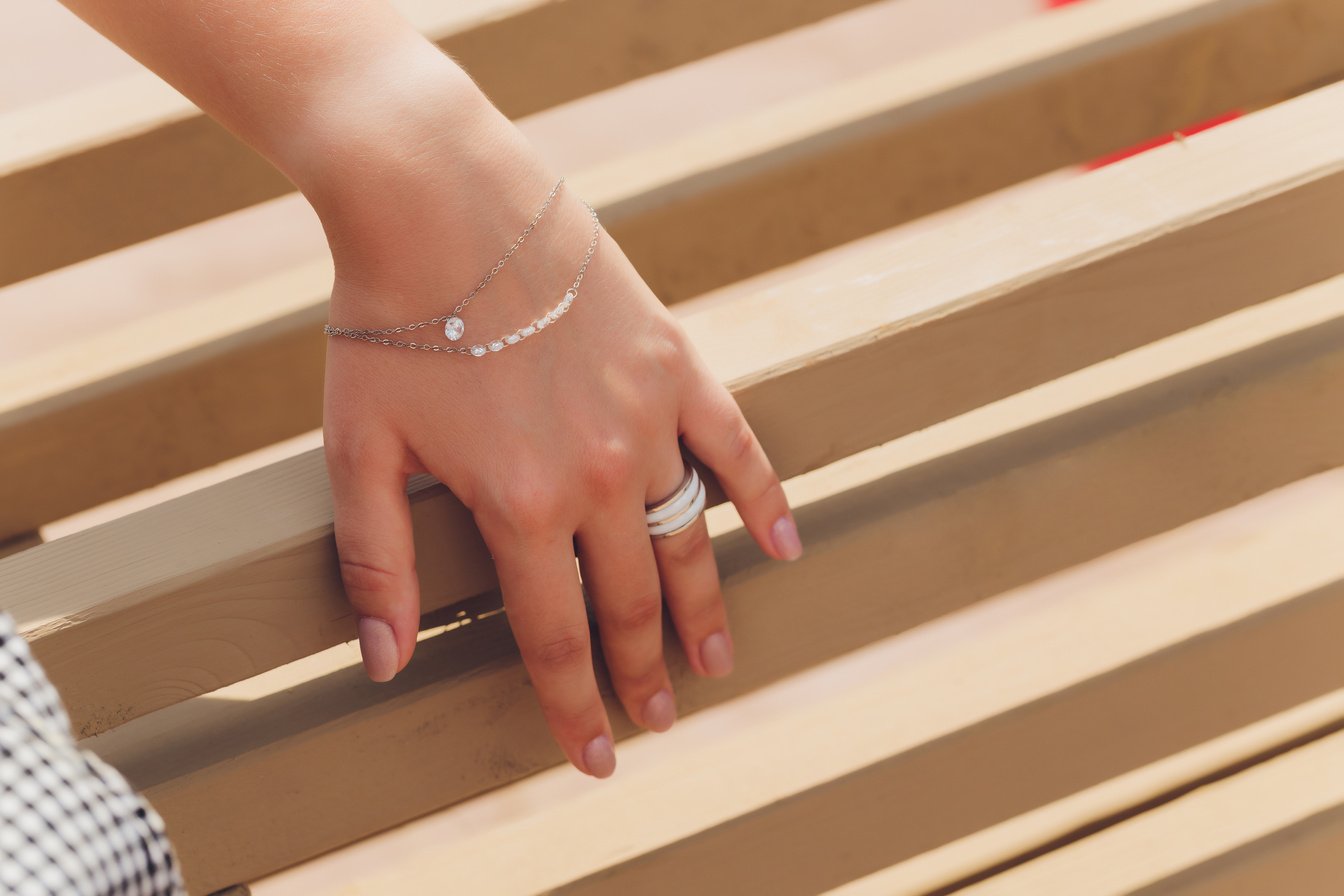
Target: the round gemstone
(453, 328)
(478, 350)
(541, 323)
(496, 345)
(512, 338)
(528, 330)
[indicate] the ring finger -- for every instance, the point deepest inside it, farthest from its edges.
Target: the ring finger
(690, 578)
(617, 566)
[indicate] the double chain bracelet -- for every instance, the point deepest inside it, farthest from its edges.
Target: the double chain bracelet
(453, 326)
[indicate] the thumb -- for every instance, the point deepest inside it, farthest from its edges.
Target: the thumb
(377, 552)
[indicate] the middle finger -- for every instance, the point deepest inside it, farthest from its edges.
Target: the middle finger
(618, 569)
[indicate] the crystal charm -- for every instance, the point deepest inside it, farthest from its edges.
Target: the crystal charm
(454, 328)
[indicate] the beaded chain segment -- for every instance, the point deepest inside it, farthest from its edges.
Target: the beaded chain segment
(453, 326)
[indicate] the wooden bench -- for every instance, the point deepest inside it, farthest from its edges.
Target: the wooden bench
(1068, 461)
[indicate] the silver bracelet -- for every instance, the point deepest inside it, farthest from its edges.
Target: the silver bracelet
(453, 325)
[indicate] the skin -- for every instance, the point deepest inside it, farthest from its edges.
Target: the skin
(556, 444)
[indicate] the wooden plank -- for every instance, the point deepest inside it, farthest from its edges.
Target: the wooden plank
(910, 800)
(1161, 261)
(1256, 618)
(1274, 828)
(123, 162)
(231, 344)
(950, 868)
(526, 816)
(844, 162)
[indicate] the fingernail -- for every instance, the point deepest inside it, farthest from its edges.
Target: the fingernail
(379, 647)
(660, 711)
(600, 757)
(785, 536)
(716, 655)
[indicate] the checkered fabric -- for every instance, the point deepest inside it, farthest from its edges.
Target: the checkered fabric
(70, 824)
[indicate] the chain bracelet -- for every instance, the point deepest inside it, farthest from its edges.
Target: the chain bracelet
(380, 336)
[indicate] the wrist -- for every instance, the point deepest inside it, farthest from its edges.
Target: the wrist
(367, 129)
(413, 172)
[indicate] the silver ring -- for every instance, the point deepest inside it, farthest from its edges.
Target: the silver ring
(679, 510)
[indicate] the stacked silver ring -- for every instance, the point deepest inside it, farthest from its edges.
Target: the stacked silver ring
(679, 510)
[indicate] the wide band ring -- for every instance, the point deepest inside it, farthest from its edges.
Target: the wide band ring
(679, 510)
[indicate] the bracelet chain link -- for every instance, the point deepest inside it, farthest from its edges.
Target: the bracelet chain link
(380, 336)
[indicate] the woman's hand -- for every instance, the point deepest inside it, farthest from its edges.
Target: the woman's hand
(555, 444)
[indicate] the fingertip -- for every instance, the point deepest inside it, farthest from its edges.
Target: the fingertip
(378, 646)
(599, 757)
(784, 538)
(660, 711)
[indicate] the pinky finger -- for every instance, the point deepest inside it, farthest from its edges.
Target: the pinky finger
(714, 429)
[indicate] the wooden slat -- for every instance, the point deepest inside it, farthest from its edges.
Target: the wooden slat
(1275, 828)
(908, 801)
(527, 815)
(1169, 631)
(119, 163)
(1179, 244)
(979, 856)
(794, 179)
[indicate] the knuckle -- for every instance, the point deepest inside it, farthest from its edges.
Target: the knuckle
(610, 466)
(705, 617)
(564, 719)
(771, 491)
(688, 546)
(637, 613)
(741, 441)
(345, 449)
(702, 613)
(362, 574)
(667, 349)
(562, 651)
(529, 506)
(636, 686)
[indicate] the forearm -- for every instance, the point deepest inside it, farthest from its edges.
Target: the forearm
(347, 100)
(276, 74)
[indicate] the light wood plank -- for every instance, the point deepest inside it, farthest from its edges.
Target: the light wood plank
(1016, 686)
(252, 360)
(186, 568)
(122, 162)
(1274, 828)
(527, 814)
(907, 801)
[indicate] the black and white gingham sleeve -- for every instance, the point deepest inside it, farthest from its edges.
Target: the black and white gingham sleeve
(69, 822)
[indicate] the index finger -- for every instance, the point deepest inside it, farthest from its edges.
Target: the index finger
(544, 605)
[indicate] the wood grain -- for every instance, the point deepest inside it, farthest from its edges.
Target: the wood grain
(795, 178)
